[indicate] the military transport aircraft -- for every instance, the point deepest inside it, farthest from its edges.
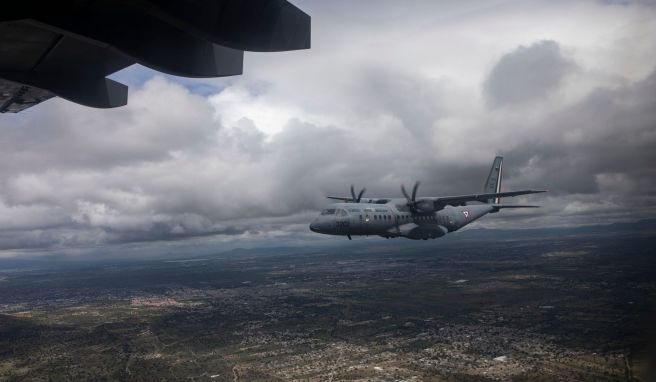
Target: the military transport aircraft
(412, 217)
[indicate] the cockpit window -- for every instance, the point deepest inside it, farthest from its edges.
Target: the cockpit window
(342, 213)
(329, 211)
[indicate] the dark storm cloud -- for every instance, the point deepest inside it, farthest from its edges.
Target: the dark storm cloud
(527, 74)
(606, 140)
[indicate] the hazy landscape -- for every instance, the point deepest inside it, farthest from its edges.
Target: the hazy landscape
(484, 305)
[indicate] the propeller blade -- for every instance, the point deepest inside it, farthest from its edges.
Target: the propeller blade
(353, 193)
(361, 193)
(414, 191)
(405, 193)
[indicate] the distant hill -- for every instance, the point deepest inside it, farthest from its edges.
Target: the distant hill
(299, 244)
(638, 227)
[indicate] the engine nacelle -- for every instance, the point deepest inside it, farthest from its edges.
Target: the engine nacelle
(424, 206)
(423, 232)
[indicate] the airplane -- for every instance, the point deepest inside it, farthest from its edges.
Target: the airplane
(412, 217)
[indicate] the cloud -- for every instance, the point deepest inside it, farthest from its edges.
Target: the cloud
(527, 74)
(377, 102)
(605, 141)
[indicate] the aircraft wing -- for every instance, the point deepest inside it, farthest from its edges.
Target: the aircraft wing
(461, 200)
(342, 198)
(502, 206)
(68, 48)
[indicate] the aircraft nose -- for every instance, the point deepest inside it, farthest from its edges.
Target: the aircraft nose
(314, 227)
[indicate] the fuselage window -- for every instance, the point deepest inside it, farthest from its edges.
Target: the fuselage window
(330, 211)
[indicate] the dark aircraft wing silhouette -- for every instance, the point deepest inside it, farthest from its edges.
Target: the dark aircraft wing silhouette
(67, 48)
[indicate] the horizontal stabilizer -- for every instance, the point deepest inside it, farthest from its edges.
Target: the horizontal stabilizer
(514, 206)
(498, 207)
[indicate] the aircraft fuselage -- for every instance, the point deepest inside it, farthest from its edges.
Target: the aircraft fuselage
(394, 219)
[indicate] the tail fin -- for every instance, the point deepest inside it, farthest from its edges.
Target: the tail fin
(493, 182)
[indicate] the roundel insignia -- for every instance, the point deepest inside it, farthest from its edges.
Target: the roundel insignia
(466, 213)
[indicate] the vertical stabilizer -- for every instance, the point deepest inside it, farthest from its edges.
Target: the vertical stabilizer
(493, 182)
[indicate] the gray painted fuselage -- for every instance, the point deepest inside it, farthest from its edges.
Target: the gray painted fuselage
(393, 219)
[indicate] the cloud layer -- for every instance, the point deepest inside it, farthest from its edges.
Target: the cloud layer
(528, 74)
(380, 100)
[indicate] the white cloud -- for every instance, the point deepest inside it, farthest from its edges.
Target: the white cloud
(386, 95)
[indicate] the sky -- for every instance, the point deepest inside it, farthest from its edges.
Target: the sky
(390, 92)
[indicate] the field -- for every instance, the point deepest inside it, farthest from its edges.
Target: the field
(547, 308)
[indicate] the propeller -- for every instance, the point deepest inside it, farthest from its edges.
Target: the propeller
(414, 205)
(411, 201)
(357, 199)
